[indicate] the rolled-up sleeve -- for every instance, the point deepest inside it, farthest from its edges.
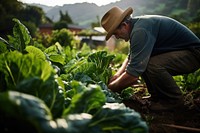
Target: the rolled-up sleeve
(141, 45)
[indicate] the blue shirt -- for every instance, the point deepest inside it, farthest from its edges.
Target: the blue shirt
(152, 35)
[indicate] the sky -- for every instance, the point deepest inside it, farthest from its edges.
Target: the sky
(62, 2)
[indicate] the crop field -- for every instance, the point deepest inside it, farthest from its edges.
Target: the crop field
(64, 89)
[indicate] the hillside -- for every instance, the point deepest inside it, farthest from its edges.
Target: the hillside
(86, 13)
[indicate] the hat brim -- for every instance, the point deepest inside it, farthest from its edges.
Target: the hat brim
(127, 12)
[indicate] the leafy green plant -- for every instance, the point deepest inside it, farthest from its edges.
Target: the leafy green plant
(192, 80)
(21, 36)
(63, 36)
(188, 82)
(34, 95)
(22, 110)
(30, 74)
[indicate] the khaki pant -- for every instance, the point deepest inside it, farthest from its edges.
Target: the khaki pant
(161, 68)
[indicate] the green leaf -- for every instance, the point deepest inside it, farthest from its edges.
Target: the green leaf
(24, 108)
(54, 49)
(57, 58)
(78, 123)
(28, 74)
(102, 61)
(36, 51)
(115, 117)
(26, 113)
(3, 47)
(21, 35)
(55, 54)
(17, 67)
(87, 101)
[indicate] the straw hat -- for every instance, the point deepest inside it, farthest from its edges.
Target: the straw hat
(112, 19)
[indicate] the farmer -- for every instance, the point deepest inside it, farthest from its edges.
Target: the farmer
(160, 47)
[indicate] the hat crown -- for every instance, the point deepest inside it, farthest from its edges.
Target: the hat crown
(110, 17)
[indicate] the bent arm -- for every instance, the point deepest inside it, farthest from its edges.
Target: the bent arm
(120, 70)
(123, 67)
(123, 81)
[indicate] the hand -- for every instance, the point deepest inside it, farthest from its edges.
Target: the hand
(118, 83)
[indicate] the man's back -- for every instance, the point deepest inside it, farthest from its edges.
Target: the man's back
(169, 34)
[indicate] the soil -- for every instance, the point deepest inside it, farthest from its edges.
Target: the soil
(185, 120)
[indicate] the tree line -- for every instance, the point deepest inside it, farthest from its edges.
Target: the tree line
(185, 11)
(31, 16)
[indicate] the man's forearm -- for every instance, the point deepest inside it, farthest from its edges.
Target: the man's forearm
(123, 81)
(123, 67)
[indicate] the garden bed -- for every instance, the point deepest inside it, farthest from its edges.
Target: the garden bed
(181, 121)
